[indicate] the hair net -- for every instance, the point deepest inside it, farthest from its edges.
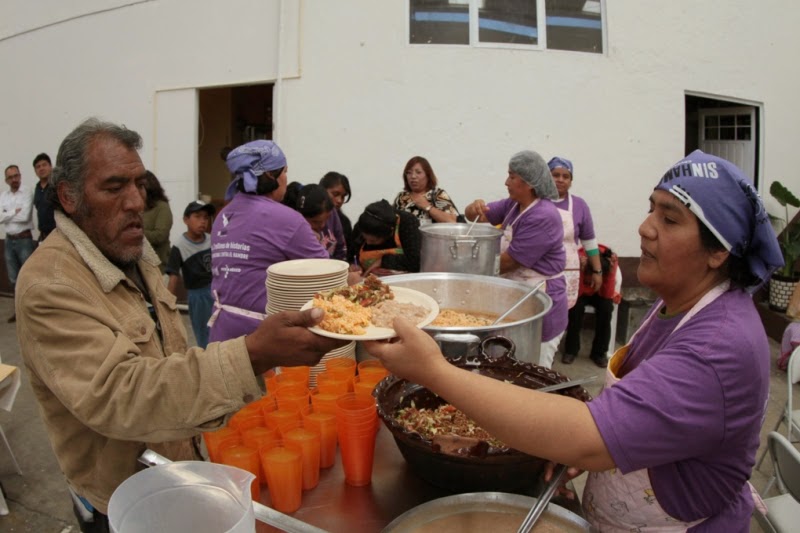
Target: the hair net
(532, 168)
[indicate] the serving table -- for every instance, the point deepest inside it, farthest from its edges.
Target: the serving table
(337, 507)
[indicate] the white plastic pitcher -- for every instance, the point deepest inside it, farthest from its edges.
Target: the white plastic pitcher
(188, 496)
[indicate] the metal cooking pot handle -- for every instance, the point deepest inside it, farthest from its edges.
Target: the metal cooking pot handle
(463, 338)
(506, 344)
(471, 242)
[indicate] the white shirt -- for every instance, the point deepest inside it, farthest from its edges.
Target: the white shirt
(9, 202)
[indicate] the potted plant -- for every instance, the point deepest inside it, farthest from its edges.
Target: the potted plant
(784, 281)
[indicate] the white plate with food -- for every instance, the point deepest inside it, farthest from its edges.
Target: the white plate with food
(346, 318)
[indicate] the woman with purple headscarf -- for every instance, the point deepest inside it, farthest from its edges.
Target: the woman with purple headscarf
(671, 440)
(251, 233)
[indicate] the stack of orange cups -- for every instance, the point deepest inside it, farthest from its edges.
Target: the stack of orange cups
(214, 439)
(283, 469)
(325, 425)
(295, 379)
(246, 459)
(307, 442)
(356, 425)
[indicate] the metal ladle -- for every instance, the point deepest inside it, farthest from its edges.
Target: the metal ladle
(519, 302)
(544, 499)
(469, 229)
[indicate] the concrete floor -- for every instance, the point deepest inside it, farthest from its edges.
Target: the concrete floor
(39, 502)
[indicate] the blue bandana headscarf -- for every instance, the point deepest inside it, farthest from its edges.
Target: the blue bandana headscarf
(723, 199)
(249, 161)
(560, 162)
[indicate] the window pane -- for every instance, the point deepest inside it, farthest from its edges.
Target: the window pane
(438, 22)
(711, 134)
(574, 25)
(508, 21)
(727, 134)
(743, 133)
(712, 121)
(727, 120)
(742, 120)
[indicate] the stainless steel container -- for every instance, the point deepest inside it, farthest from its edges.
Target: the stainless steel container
(500, 507)
(482, 294)
(448, 248)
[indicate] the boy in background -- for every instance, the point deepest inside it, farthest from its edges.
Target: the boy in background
(191, 256)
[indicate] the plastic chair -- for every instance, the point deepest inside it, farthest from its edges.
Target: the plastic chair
(790, 416)
(783, 511)
(612, 342)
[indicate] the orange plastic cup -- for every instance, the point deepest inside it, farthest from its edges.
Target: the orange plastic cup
(295, 379)
(283, 419)
(333, 383)
(228, 441)
(325, 425)
(246, 459)
(362, 387)
(271, 380)
(358, 453)
(292, 398)
(284, 471)
(372, 370)
(260, 438)
(213, 439)
(357, 408)
(302, 371)
(324, 401)
(244, 420)
(340, 366)
(308, 443)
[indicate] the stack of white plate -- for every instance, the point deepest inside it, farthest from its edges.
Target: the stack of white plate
(290, 284)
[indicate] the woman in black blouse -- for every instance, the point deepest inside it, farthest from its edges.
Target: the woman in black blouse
(386, 240)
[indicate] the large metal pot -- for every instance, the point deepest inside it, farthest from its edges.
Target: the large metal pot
(448, 248)
(499, 507)
(480, 467)
(482, 294)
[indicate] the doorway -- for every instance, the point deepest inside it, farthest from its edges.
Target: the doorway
(726, 129)
(227, 118)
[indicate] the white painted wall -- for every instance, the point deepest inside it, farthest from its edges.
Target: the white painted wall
(357, 98)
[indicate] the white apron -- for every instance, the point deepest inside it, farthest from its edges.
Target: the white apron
(521, 273)
(618, 502)
(572, 272)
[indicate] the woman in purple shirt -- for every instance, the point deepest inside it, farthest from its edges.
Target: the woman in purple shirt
(251, 233)
(671, 440)
(531, 247)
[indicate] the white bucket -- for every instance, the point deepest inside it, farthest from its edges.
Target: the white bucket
(187, 496)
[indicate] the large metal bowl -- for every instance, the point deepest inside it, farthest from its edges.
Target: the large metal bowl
(483, 468)
(483, 294)
(502, 507)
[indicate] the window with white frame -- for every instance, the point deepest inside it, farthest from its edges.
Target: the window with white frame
(575, 25)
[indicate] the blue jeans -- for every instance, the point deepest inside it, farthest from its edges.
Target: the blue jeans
(201, 304)
(17, 251)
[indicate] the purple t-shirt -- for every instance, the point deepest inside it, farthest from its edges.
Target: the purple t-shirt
(690, 409)
(250, 234)
(581, 217)
(537, 244)
(333, 237)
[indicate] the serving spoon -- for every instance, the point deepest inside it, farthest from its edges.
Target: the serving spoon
(519, 302)
(469, 229)
(544, 499)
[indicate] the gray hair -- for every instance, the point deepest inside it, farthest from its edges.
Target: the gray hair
(533, 169)
(71, 160)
